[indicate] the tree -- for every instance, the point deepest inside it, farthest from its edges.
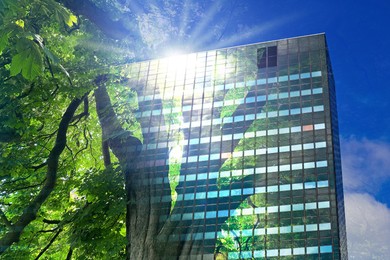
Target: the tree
(70, 168)
(40, 113)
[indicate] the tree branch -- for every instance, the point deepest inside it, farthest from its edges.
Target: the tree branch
(14, 181)
(4, 218)
(69, 255)
(52, 75)
(86, 143)
(106, 153)
(37, 167)
(51, 221)
(28, 187)
(85, 113)
(122, 142)
(48, 230)
(30, 212)
(48, 245)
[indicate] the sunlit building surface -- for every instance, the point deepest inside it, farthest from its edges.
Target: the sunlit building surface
(249, 138)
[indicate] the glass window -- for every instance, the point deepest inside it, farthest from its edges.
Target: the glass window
(312, 250)
(267, 57)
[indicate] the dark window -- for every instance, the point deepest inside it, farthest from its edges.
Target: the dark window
(272, 51)
(262, 58)
(272, 56)
(267, 57)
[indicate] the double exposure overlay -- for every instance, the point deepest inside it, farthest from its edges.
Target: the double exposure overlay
(241, 146)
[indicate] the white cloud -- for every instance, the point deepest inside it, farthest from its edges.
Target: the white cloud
(366, 164)
(155, 28)
(368, 227)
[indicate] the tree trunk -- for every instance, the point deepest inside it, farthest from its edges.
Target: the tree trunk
(143, 213)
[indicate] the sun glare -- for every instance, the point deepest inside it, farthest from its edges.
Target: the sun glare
(177, 68)
(177, 63)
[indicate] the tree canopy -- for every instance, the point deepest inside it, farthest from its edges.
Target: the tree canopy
(51, 201)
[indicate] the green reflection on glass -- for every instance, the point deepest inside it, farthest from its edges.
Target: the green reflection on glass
(175, 141)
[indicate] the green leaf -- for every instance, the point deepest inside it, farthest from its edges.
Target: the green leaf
(3, 40)
(16, 65)
(28, 61)
(71, 20)
(20, 23)
(5, 34)
(62, 15)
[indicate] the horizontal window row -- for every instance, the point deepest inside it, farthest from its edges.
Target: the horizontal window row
(206, 79)
(255, 133)
(241, 172)
(254, 152)
(244, 191)
(281, 230)
(203, 87)
(254, 99)
(240, 101)
(197, 69)
(250, 83)
(291, 47)
(198, 189)
(238, 136)
(281, 252)
(235, 119)
(258, 232)
(248, 211)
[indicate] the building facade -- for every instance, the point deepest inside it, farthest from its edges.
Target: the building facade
(242, 147)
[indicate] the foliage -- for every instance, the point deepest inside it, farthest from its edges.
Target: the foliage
(50, 60)
(230, 97)
(236, 233)
(37, 43)
(100, 216)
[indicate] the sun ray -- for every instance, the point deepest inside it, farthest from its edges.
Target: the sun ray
(255, 31)
(206, 21)
(184, 18)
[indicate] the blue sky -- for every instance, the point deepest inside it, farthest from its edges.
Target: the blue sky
(358, 39)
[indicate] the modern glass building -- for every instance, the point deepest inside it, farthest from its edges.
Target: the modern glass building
(241, 146)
